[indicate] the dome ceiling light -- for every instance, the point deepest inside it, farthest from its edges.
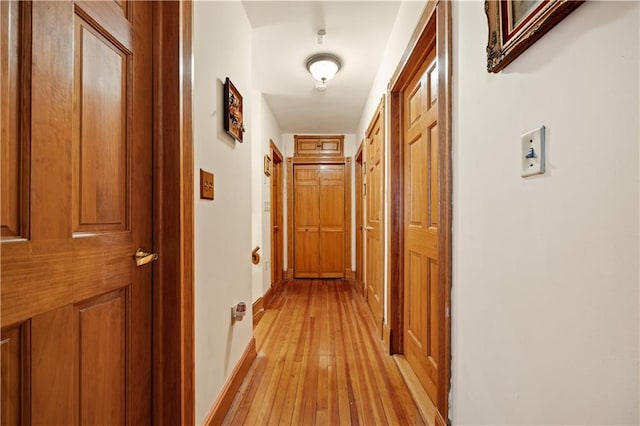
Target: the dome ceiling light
(323, 67)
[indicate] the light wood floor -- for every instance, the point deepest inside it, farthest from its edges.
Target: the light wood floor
(319, 364)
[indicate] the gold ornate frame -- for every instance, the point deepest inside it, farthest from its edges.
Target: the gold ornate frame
(508, 40)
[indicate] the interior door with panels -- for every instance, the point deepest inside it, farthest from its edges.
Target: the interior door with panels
(307, 221)
(319, 220)
(332, 220)
(76, 175)
(359, 227)
(276, 216)
(374, 152)
(423, 310)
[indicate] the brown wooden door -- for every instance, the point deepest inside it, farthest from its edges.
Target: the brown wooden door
(307, 221)
(374, 213)
(276, 217)
(319, 221)
(332, 220)
(76, 311)
(423, 297)
(359, 218)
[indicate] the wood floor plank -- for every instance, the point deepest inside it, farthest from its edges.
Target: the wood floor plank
(320, 363)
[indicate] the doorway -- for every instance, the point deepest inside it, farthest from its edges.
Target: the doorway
(359, 272)
(420, 231)
(374, 215)
(319, 217)
(277, 266)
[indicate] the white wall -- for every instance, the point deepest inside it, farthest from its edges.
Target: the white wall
(545, 288)
(223, 226)
(408, 16)
(351, 144)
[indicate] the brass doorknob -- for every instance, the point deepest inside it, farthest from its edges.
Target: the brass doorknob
(142, 257)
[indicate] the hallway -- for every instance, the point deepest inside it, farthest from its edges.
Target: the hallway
(319, 363)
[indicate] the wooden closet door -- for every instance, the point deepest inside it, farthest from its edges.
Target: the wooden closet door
(424, 314)
(374, 151)
(332, 220)
(306, 221)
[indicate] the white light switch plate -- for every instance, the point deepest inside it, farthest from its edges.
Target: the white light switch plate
(532, 155)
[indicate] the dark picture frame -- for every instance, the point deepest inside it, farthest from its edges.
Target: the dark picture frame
(514, 25)
(233, 118)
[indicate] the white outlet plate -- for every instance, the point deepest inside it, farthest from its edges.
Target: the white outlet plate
(532, 155)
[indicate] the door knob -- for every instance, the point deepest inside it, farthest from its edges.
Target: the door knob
(142, 257)
(368, 228)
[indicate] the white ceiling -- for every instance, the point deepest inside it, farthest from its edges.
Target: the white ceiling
(285, 35)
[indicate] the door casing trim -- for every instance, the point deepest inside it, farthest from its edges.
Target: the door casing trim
(173, 229)
(276, 219)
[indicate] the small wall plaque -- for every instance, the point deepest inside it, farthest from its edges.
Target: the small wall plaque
(206, 185)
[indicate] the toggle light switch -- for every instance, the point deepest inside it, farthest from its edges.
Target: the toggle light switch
(533, 152)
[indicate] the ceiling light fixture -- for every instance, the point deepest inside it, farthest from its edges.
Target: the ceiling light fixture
(323, 67)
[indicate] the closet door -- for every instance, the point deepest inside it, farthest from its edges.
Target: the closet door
(306, 221)
(332, 220)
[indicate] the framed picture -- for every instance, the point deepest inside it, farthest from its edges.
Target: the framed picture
(233, 122)
(514, 25)
(267, 165)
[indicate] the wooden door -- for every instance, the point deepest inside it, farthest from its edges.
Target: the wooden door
(276, 217)
(423, 308)
(332, 220)
(319, 220)
(307, 221)
(359, 218)
(76, 311)
(374, 212)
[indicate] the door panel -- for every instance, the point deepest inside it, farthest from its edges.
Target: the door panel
(276, 217)
(307, 221)
(359, 223)
(332, 206)
(13, 17)
(423, 316)
(332, 212)
(102, 333)
(307, 256)
(54, 363)
(374, 153)
(100, 142)
(11, 375)
(332, 254)
(72, 298)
